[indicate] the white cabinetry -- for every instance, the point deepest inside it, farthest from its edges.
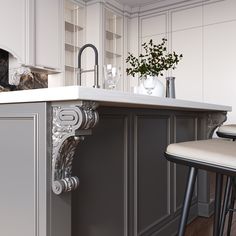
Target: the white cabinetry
(15, 24)
(105, 30)
(31, 31)
(113, 41)
(48, 32)
(73, 39)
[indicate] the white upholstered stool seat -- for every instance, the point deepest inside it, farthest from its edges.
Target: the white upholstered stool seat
(218, 153)
(227, 131)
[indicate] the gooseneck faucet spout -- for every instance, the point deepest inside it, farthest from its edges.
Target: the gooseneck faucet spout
(95, 70)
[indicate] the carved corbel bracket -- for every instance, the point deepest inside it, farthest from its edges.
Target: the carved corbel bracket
(214, 120)
(70, 125)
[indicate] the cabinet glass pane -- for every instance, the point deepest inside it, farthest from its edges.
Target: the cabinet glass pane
(74, 32)
(114, 44)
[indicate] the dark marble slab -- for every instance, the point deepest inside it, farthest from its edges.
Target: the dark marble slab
(39, 80)
(4, 59)
(2, 89)
(32, 81)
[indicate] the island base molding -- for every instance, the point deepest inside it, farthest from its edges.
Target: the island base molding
(127, 188)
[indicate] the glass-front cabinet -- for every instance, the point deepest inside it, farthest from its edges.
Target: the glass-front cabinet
(113, 57)
(74, 22)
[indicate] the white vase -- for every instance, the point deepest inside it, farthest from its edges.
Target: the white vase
(152, 86)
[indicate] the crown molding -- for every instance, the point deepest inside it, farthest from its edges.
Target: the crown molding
(81, 2)
(114, 5)
(165, 5)
(148, 8)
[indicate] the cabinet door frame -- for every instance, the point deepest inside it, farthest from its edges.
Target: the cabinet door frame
(123, 36)
(34, 118)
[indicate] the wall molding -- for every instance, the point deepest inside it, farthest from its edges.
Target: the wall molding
(142, 18)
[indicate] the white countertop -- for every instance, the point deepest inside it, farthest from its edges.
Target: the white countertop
(104, 97)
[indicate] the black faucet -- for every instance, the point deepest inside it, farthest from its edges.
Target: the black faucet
(80, 71)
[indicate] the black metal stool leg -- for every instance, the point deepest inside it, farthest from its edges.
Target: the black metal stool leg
(231, 206)
(225, 205)
(218, 191)
(187, 200)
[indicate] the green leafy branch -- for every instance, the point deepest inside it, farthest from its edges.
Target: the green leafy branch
(153, 61)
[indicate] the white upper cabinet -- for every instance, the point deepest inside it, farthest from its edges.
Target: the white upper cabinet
(31, 31)
(48, 35)
(15, 24)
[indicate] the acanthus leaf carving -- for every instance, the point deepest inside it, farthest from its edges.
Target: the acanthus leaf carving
(67, 121)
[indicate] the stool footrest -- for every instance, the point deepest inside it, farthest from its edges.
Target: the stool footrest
(233, 210)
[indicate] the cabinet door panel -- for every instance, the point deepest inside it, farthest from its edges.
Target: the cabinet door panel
(99, 206)
(153, 188)
(17, 180)
(48, 17)
(13, 27)
(23, 170)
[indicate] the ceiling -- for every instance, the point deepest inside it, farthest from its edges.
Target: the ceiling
(134, 3)
(140, 3)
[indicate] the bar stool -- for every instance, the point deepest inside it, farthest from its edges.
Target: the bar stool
(229, 131)
(216, 155)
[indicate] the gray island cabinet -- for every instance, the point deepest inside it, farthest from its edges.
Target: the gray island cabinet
(89, 162)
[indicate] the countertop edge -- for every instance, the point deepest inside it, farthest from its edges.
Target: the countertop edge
(103, 97)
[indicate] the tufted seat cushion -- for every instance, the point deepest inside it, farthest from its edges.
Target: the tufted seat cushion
(218, 152)
(227, 129)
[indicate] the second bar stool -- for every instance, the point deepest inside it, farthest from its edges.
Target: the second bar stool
(216, 155)
(229, 131)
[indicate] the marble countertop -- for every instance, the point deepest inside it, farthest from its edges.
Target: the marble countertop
(104, 97)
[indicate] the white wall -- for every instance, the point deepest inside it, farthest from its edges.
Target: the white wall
(154, 27)
(219, 54)
(206, 35)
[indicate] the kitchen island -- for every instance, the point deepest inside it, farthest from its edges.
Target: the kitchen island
(83, 161)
